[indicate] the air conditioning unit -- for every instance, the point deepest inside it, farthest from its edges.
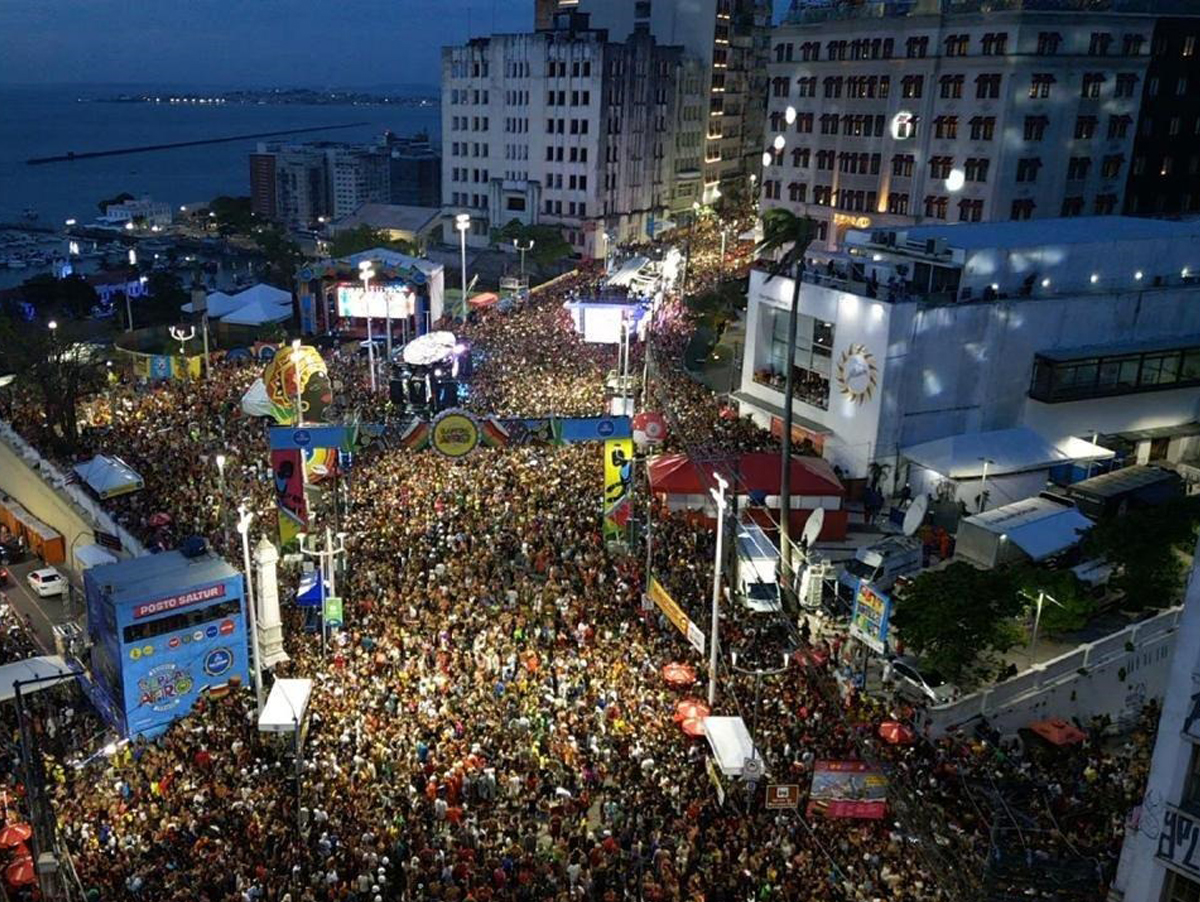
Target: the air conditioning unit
(935, 246)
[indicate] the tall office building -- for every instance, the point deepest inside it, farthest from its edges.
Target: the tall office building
(561, 126)
(729, 40)
(416, 170)
(357, 176)
(1164, 178)
(298, 184)
(933, 111)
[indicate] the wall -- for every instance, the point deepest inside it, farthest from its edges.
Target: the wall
(1102, 677)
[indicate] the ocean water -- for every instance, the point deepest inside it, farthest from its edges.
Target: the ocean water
(45, 121)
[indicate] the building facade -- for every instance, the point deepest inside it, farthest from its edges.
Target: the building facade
(300, 185)
(416, 171)
(561, 127)
(1164, 178)
(357, 176)
(1074, 328)
(896, 114)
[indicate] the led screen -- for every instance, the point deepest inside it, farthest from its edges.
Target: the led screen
(352, 301)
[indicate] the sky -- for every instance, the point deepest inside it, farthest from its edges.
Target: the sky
(309, 43)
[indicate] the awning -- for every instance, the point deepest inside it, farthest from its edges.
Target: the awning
(45, 666)
(286, 706)
(109, 476)
(219, 303)
(1058, 731)
(93, 556)
(487, 299)
(676, 474)
(730, 743)
(1016, 450)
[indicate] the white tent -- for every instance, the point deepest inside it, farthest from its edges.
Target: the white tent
(1015, 450)
(109, 476)
(286, 706)
(219, 303)
(730, 743)
(93, 556)
(265, 293)
(40, 668)
(258, 313)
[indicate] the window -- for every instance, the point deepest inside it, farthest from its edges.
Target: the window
(1048, 42)
(833, 86)
(1039, 86)
(1189, 45)
(993, 44)
(952, 86)
(1174, 125)
(1077, 168)
(825, 159)
(136, 632)
(1168, 164)
(798, 192)
(939, 167)
(1035, 127)
(779, 87)
(1085, 128)
(801, 157)
(902, 166)
(917, 48)
(812, 365)
(987, 87)
(804, 124)
(911, 86)
(983, 128)
(1022, 209)
(898, 204)
(1126, 83)
(1099, 44)
(1027, 169)
(957, 44)
(1181, 888)
(946, 127)
(1181, 85)
(1091, 85)
(976, 169)
(806, 87)
(1072, 206)
(936, 206)
(1132, 44)
(1152, 87)
(970, 210)
(1111, 167)
(1105, 204)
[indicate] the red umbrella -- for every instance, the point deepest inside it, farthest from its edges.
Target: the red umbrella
(694, 726)
(690, 709)
(20, 872)
(14, 834)
(679, 674)
(896, 733)
(162, 518)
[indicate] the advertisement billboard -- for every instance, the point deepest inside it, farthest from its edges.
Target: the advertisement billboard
(869, 621)
(353, 301)
(851, 789)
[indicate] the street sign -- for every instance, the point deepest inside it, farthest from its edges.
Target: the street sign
(107, 539)
(783, 795)
(333, 610)
(753, 769)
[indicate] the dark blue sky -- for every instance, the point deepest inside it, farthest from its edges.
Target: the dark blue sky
(242, 42)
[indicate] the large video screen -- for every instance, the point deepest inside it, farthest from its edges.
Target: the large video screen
(353, 301)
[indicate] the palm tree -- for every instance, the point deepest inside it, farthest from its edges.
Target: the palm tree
(784, 231)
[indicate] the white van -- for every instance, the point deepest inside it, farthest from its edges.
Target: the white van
(758, 568)
(880, 564)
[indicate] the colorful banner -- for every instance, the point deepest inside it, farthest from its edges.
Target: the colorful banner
(455, 433)
(618, 487)
(320, 464)
(291, 371)
(849, 789)
(869, 621)
(674, 613)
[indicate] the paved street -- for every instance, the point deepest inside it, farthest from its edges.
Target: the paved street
(42, 613)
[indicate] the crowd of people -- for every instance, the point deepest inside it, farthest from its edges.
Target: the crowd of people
(493, 723)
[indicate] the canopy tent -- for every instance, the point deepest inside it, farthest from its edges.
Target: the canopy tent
(219, 303)
(263, 293)
(109, 476)
(286, 706)
(258, 313)
(676, 474)
(93, 556)
(1058, 731)
(51, 669)
(1015, 450)
(730, 743)
(482, 301)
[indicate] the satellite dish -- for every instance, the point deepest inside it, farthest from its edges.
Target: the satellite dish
(812, 528)
(915, 515)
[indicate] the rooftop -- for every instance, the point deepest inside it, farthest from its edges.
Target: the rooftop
(396, 217)
(1069, 230)
(807, 12)
(156, 575)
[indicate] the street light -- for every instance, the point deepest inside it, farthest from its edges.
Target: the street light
(325, 568)
(718, 495)
(462, 222)
(224, 514)
(758, 673)
(366, 273)
(243, 527)
(523, 248)
(1040, 600)
(983, 483)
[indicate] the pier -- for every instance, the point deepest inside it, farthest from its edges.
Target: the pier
(71, 156)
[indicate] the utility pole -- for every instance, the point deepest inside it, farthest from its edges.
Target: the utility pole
(718, 495)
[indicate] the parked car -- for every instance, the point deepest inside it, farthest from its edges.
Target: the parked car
(11, 552)
(3, 576)
(923, 683)
(47, 582)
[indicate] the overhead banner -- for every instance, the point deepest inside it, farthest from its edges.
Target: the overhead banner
(850, 789)
(618, 487)
(674, 613)
(869, 621)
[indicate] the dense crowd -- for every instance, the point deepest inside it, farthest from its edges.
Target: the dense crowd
(493, 723)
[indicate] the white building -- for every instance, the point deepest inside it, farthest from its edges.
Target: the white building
(357, 176)
(562, 127)
(943, 112)
(1159, 861)
(144, 213)
(1074, 328)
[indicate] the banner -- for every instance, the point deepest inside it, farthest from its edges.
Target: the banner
(291, 371)
(674, 613)
(849, 789)
(618, 487)
(869, 621)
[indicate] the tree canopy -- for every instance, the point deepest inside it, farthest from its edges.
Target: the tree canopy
(283, 255)
(1146, 545)
(72, 296)
(549, 246)
(233, 215)
(364, 238)
(114, 201)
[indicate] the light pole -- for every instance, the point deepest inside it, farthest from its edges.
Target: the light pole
(183, 335)
(522, 248)
(1039, 601)
(462, 222)
(758, 674)
(983, 483)
(325, 568)
(718, 495)
(366, 273)
(220, 460)
(243, 527)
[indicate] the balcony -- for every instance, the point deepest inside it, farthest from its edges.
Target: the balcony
(1083, 373)
(807, 386)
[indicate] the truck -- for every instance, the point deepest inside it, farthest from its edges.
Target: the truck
(880, 564)
(758, 569)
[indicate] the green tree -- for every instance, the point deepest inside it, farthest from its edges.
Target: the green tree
(364, 238)
(72, 296)
(233, 215)
(114, 201)
(1146, 546)
(1070, 606)
(164, 296)
(283, 255)
(788, 235)
(950, 616)
(716, 306)
(549, 245)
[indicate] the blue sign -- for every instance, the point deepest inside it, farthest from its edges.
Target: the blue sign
(589, 429)
(218, 661)
(285, 438)
(211, 632)
(302, 438)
